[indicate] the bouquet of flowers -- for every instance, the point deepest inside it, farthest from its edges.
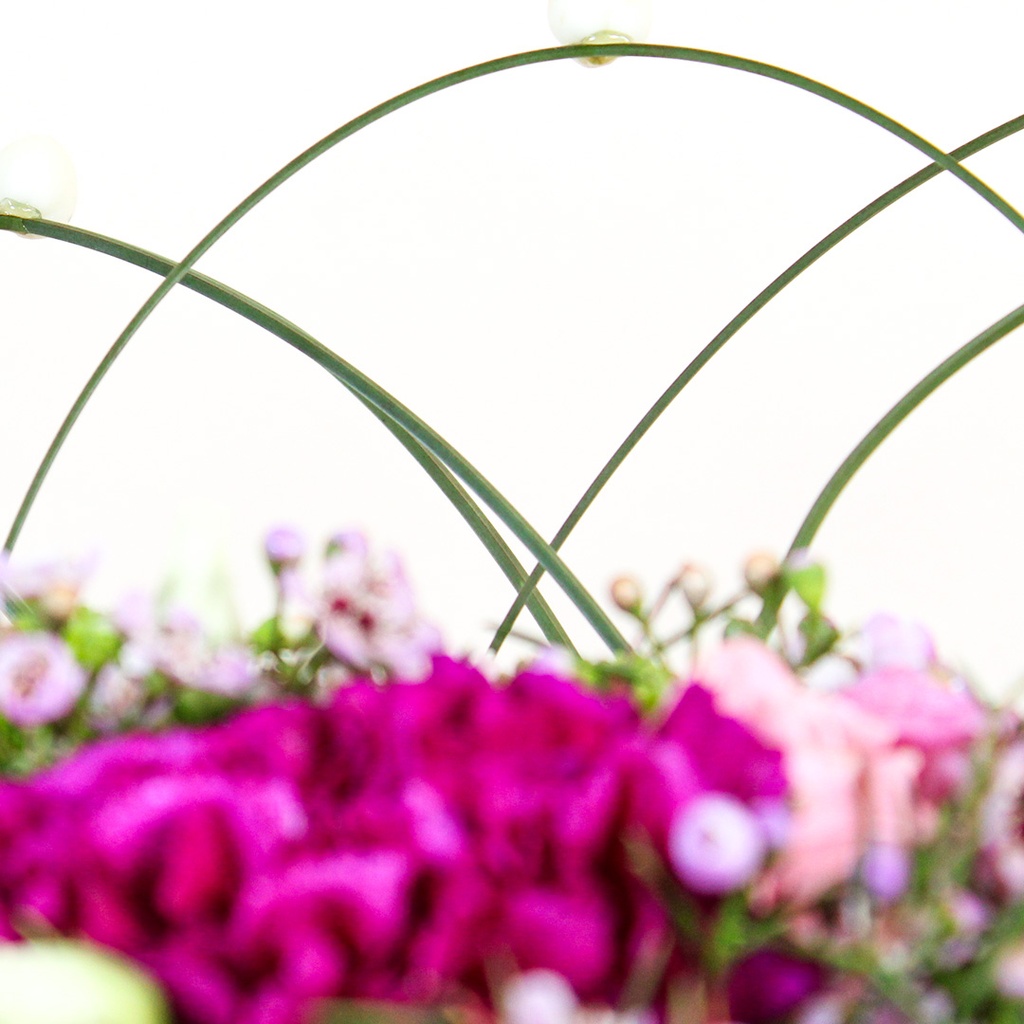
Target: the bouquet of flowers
(331, 819)
(742, 815)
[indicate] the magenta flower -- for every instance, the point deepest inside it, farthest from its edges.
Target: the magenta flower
(767, 986)
(394, 844)
(39, 678)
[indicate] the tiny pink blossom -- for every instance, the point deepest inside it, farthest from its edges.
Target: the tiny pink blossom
(367, 616)
(39, 678)
(889, 641)
(925, 713)
(56, 585)
(231, 672)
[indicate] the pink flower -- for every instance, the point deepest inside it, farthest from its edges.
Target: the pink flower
(850, 783)
(39, 678)
(891, 642)
(367, 616)
(54, 585)
(926, 715)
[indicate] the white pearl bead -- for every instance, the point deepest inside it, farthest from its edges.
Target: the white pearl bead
(574, 21)
(37, 172)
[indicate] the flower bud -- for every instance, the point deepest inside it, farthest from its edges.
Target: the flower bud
(627, 593)
(695, 583)
(284, 547)
(760, 569)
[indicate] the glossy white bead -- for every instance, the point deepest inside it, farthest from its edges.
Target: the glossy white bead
(576, 21)
(37, 172)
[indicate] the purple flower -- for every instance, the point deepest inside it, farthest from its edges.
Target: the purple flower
(885, 871)
(231, 672)
(54, 585)
(284, 547)
(767, 986)
(39, 678)
(716, 844)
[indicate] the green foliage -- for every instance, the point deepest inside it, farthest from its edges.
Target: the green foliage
(92, 638)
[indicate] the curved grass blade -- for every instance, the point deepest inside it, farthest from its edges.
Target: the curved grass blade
(880, 431)
(496, 501)
(495, 544)
(705, 355)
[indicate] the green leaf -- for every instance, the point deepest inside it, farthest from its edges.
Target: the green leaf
(92, 638)
(808, 582)
(197, 707)
(741, 627)
(266, 637)
(819, 634)
(729, 940)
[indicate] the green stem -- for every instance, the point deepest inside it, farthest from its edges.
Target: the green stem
(880, 431)
(761, 300)
(269, 320)
(543, 552)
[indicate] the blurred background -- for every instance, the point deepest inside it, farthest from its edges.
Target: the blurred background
(526, 261)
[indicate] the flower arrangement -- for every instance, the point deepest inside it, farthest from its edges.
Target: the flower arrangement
(744, 815)
(334, 820)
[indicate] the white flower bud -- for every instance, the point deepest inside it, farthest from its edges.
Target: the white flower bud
(695, 583)
(627, 593)
(760, 569)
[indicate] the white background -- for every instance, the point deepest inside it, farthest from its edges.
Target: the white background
(527, 261)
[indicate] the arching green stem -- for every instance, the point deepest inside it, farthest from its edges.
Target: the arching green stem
(266, 318)
(880, 431)
(705, 355)
(542, 551)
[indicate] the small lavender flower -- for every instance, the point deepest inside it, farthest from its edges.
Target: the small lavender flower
(39, 678)
(885, 871)
(231, 672)
(55, 585)
(116, 696)
(890, 641)
(716, 844)
(284, 547)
